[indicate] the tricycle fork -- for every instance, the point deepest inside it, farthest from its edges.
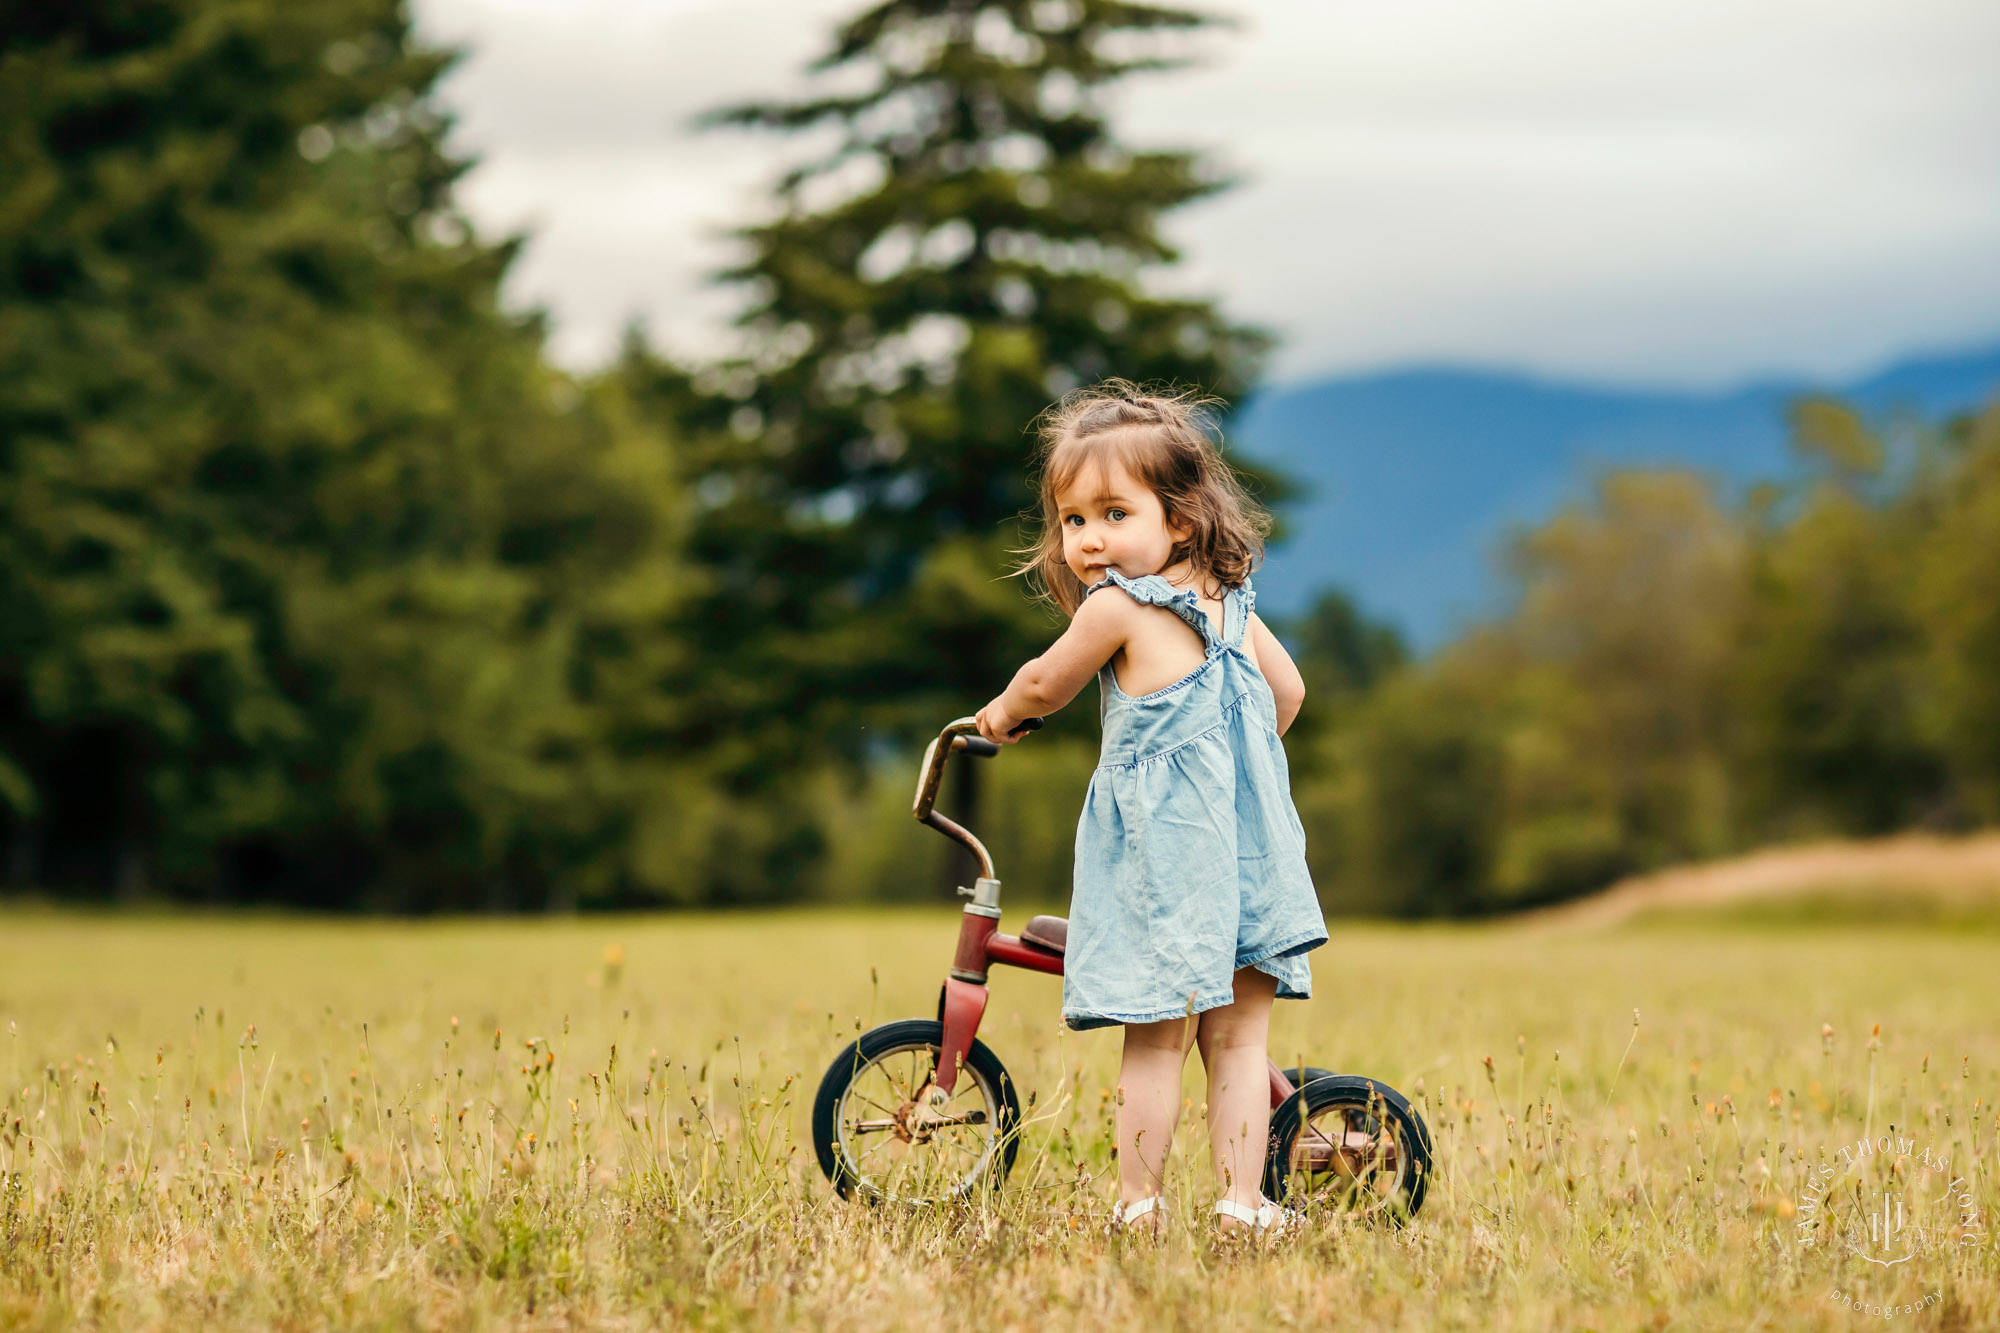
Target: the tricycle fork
(961, 1004)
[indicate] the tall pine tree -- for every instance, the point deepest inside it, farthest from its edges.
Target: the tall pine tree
(975, 243)
(315, 580)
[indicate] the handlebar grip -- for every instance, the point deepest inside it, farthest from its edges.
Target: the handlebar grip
(982, 748)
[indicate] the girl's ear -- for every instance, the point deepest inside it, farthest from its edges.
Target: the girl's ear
(1179, 530)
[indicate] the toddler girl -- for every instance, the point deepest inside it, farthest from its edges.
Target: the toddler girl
(1192, 908)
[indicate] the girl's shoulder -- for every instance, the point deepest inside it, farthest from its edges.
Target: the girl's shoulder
(1108, 610)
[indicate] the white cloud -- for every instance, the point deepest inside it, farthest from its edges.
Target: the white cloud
(1688, 190)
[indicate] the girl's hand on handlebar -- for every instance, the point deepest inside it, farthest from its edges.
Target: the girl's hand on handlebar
(996, 724)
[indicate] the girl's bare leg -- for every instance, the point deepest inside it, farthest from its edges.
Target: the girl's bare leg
(1233, 1042)
(1149, 1085)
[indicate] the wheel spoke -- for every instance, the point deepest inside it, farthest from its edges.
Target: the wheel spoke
(1353, 1157)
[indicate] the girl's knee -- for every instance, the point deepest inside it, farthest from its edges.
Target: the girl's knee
(1246, 1022)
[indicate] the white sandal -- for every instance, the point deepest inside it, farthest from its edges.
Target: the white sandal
(1127, 1213)
(1267, 1218)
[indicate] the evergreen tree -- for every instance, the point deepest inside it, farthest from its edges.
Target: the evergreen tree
(974, 245)
(315, 581)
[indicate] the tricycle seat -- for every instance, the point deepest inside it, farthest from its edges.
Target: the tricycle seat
(1046, 932)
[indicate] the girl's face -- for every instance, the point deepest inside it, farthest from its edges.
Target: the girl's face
(1109, 521)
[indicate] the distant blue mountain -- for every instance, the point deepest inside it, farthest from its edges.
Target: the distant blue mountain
(1415, 476)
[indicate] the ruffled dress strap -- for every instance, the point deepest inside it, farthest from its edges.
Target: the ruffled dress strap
(1153, 590)
(1239, 603)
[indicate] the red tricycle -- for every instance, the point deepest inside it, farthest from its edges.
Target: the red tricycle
(920, 1111)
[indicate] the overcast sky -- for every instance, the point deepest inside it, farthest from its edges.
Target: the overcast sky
(1649, 191)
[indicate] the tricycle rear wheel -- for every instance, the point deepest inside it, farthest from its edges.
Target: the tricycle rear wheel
(1349, 1145)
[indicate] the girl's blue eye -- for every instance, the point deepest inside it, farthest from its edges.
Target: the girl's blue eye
(1074, 520)
(1115, 515)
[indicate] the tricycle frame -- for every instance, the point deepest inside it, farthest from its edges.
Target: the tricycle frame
(982, 945)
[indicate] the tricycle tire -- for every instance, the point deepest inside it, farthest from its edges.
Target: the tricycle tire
(1390, 1134)
(873, 1048)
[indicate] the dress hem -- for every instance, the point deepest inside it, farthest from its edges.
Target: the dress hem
(1300, 944)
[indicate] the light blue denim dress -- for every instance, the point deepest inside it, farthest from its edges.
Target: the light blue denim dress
(1190, 860)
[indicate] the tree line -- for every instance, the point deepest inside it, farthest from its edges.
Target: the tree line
(1682, 677)
(319, 584)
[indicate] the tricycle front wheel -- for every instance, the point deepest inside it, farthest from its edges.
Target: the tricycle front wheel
(885, 1132)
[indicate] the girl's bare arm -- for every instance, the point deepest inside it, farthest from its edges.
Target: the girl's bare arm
(1288, 687)
(1096, 632)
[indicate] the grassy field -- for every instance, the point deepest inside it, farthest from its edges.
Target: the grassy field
(246, 1123)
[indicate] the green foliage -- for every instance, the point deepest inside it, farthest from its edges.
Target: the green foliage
(1399, 818)
(1677, 681)
(315, 581)
(1957, 595)
(318, 583)
(1340, 650)
(1834, 683)
(1342, 656)
(1830, 430)
(972, 245)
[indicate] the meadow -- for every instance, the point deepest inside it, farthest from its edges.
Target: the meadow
(241, 1122)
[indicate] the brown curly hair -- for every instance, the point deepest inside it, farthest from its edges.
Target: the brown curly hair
(1168, 442)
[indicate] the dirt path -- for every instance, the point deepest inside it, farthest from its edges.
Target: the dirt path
(1913, 862)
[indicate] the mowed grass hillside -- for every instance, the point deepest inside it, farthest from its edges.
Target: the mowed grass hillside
(249, 1123)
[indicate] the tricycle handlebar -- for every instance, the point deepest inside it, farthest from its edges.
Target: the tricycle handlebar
(962, 734)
